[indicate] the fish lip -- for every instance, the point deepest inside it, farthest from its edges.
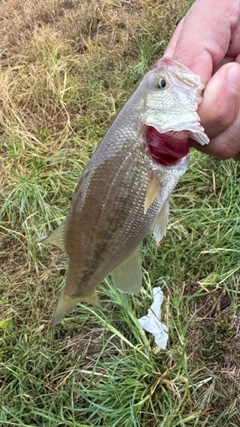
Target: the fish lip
(166, 129)
(194, 129)
(175, 68)
(170, 64)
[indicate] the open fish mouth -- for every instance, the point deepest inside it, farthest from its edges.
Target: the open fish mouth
(166, 148)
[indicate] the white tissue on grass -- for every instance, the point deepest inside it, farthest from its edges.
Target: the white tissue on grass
(151, 322)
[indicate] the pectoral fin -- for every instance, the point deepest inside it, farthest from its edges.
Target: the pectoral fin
(160, 225)
(127, 277)
(66, 304)
(153, 189)
(55, 238)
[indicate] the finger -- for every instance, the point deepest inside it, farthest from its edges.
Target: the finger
(224, 61)
(220, 113)
(237, 157)
(172, 44)
(237, 59)
(221, 100)
(205, 36)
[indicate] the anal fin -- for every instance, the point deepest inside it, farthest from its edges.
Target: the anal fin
(127, 277)
(161, 222)
(56, 238)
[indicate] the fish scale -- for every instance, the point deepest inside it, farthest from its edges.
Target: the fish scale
(123, 192)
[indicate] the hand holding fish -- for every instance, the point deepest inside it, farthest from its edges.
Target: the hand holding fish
(207, 40)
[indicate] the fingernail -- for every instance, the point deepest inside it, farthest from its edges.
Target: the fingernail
(234, 76)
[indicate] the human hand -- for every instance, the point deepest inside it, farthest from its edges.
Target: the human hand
(207, 40)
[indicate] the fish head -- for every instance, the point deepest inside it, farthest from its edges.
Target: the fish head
(179, 86)
(171, 94)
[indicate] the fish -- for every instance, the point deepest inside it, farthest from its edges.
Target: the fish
(123, 192)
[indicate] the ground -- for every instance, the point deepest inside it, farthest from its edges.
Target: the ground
(66, 68)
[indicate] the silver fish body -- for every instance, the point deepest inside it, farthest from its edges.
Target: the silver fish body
(123, 192)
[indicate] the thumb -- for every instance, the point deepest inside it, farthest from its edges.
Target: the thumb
(220, 112)
(202, 39)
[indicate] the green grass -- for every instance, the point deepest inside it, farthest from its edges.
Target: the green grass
(62, 83)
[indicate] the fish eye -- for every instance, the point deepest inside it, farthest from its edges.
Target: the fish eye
(161, 83)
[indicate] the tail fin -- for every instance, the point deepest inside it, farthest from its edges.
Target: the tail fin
(66, 304)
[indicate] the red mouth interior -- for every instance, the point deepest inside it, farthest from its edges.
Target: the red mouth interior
(166, 148)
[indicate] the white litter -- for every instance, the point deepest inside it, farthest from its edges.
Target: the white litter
(151, 322)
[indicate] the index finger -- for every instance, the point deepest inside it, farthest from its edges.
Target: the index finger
(203, 37)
